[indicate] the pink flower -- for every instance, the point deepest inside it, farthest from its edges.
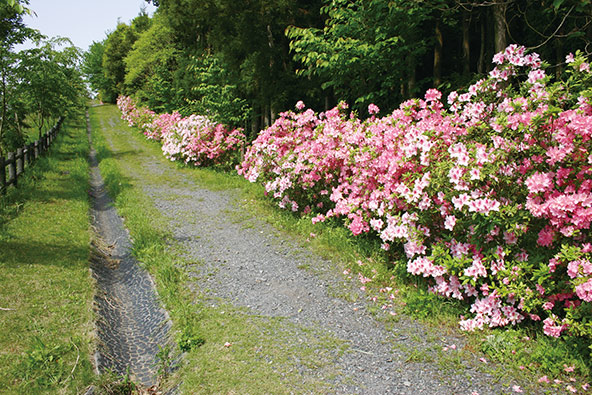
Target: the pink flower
(584, 291)
(538, 182)
(568, 369)
(450, 222)
(569, 58)
(535, 75)
(300, 105)
(516, 388)
(373, 109)
(510, 238)
(433, 95)
(544, 379)
(545, 237)
(550, 329)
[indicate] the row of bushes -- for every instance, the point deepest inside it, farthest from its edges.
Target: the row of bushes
(489, 198)
(193, 140)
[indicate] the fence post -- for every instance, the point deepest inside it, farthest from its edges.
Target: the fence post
(3, 186)
(12, 176)
(20, 162)
(36, 149)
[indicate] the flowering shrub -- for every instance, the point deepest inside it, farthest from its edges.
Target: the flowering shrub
(161, 125)
(198, 140)
(134, 114)
(490, 199)
(194, 139)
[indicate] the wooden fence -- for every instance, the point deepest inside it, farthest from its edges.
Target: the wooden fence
(15, 162)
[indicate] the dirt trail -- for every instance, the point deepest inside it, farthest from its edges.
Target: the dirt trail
(248, 263)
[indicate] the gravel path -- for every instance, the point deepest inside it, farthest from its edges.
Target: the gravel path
(248, 263)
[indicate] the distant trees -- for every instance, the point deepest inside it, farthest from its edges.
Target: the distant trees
(243, 62)
(36, 85)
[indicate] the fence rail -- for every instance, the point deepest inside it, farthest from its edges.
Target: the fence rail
(16, 161)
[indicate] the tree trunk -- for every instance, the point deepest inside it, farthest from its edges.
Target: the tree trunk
(255, 126)
(411, 81)
(3, 116)
(266, 119)
(438, 55)
(481, 62)
(466, 44)
(272, 113)
(499, 25)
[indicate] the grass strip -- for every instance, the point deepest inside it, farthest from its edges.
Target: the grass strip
(46, 321)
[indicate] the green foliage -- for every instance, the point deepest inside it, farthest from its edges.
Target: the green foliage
(92, 68)
(213, 94)
(43, 365)
(111, 383)
(165, 361)
(366, 49)
(36, 85)
(50, 82)
(542, 355)
(187, 339)
(150, 67)
(117, 45)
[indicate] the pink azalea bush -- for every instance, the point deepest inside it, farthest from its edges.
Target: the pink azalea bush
(194, 139)
(134, 114)
(161, 125)
(488, 198)
(199, 141)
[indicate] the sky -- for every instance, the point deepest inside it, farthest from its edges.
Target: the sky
(82, 21)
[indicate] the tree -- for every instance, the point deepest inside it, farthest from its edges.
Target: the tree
(213, 94)
(51, 83)
(118, 44)
(150, 67)
(12, 32)
(367, 51)
(92, 67)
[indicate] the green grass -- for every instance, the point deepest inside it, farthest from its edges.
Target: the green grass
(46, 339)
(212, 367)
